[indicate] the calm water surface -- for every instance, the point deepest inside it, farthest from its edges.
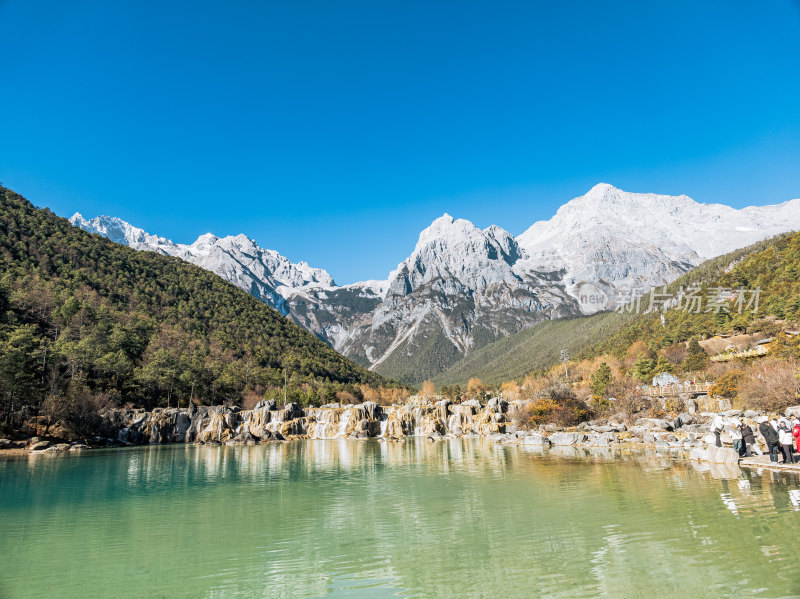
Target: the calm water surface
(459, 518)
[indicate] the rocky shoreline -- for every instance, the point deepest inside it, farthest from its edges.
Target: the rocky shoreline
(267, 422)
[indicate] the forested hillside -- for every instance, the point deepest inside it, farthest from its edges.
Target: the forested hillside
(536, 348)
(77, 310)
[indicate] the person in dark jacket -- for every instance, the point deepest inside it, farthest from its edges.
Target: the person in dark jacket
(748, 440)
(771, 437)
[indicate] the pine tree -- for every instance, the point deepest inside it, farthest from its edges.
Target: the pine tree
(600, 380)
(643, 368)
(696, 358)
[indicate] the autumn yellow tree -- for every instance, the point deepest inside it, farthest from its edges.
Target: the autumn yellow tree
(510, 390)
(370, 393)
(475, 388)
(428, 389)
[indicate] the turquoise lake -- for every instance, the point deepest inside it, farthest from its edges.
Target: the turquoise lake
(454, 518)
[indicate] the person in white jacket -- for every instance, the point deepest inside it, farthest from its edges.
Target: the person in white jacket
(786, 441)
(716, 427)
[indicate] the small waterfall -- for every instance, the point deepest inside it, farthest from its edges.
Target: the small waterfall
(324, 418)
(384, 425)
(343, 423)
(416, 415)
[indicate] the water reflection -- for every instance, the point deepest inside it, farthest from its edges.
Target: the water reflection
(460, 517)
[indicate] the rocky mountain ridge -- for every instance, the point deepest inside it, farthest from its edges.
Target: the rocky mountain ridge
(462, 286)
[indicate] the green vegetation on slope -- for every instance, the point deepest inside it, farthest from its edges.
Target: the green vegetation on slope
(535, 348)
(421, 359)
(138, 327)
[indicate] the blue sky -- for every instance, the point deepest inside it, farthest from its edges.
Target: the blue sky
(335, 131)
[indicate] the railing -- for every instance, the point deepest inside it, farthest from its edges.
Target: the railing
(753, 352)
(685, 389)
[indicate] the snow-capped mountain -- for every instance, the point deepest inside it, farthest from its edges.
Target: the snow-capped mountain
(264, 273)
(463, 286)
(619, 241)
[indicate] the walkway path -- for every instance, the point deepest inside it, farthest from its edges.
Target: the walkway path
(762, 461)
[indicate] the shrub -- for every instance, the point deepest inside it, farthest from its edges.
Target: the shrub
(250, 399)
(346, 398)
(556, 405)
(629, 400)
(771, 386)
(728, 384)
(78, 411)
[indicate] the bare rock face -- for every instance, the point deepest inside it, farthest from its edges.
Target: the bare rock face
(220, 424)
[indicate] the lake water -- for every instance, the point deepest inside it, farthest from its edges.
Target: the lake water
(458, 518)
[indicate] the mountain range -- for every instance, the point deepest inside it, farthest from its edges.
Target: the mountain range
(463, 287)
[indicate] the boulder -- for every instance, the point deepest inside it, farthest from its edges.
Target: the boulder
(242, 439)
(473, 403)
(792, 412)
(372, 410)
(603, 429)
(58, 448)
(5, 443)
(535, 439)
(699, 429)
(567, 438)
(265, 405)
(601, 439)
(654, 423)
(665, 437)
(78, 447)
(39, 445)
(498, 405)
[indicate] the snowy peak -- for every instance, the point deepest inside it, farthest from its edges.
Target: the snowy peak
(672, 223)
(622, 240)
(237, 258)
(119, 231)
(456, 249)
